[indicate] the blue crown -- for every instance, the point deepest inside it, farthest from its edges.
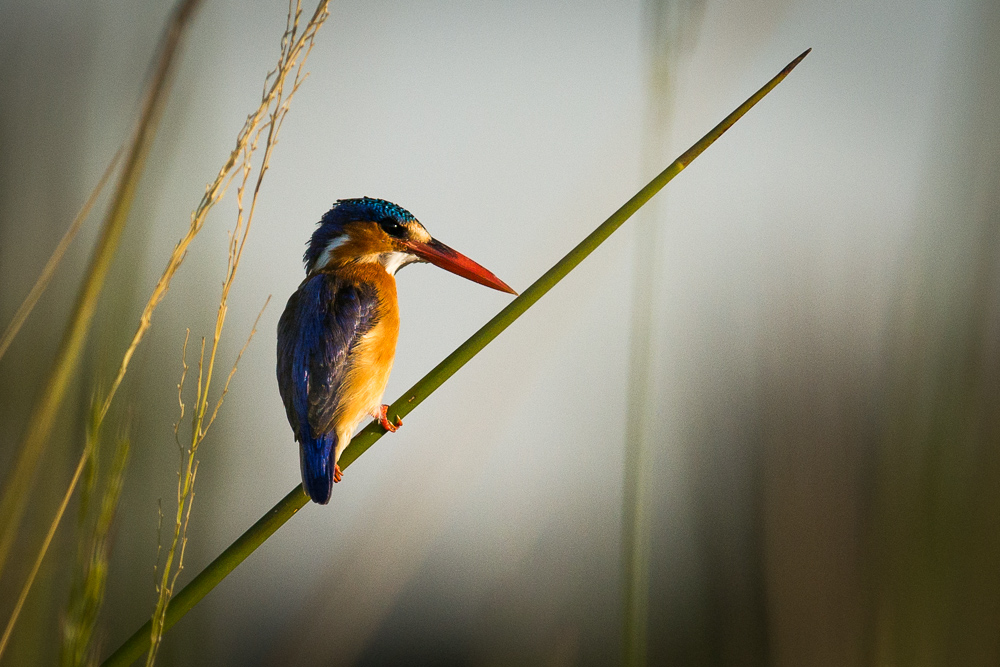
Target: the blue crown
(365, 209)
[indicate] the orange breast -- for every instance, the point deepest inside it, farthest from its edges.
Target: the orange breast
(371, 359)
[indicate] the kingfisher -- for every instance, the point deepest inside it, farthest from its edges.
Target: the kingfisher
(337, 335)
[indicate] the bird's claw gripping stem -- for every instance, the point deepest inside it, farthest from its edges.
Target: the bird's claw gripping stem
(383, 419)
(337, 474)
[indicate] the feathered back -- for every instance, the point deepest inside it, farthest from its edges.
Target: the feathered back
(323, 321)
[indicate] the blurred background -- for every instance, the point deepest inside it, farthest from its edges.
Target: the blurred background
(779, 382)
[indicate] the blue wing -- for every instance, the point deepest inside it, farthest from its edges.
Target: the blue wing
(322, 322)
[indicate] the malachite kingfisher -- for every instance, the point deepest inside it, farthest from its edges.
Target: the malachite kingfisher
(337, 336)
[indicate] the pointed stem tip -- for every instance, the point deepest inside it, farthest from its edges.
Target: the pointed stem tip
(795, 62)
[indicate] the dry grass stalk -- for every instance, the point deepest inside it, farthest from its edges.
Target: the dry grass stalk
(50, 266)
(186, 476)
(278, 98)
(295, 50)
(17, 490)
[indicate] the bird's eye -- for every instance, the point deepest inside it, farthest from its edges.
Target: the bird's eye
(393, 228)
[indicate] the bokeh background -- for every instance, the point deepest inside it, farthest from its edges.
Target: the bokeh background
(799, 336)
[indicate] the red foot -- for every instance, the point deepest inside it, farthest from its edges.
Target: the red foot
(337, 474)
(383, 419)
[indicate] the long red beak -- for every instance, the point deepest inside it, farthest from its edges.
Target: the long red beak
(441, 255)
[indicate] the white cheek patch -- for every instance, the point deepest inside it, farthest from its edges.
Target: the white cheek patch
(420, 234)
(327, 254)
(394, 261)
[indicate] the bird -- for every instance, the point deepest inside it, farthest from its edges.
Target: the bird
(337, 335)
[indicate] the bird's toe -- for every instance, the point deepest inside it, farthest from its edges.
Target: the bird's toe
(383, 420)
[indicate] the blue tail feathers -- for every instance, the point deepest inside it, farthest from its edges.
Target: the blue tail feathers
(316, 461)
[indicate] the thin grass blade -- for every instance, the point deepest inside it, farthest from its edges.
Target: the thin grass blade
(16, 491)
(50, 266)
(12, 621)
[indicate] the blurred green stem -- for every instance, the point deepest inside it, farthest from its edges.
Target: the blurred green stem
(17, 489)
(672, 26)
(266, 526)
(87, 592)
(12, 621)
(50, 266)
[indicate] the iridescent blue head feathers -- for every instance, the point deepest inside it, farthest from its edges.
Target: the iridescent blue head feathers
(331, 225)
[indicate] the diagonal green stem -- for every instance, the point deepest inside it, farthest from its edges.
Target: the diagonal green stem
(238, 551)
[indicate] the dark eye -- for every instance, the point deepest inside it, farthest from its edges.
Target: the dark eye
(392, 228)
